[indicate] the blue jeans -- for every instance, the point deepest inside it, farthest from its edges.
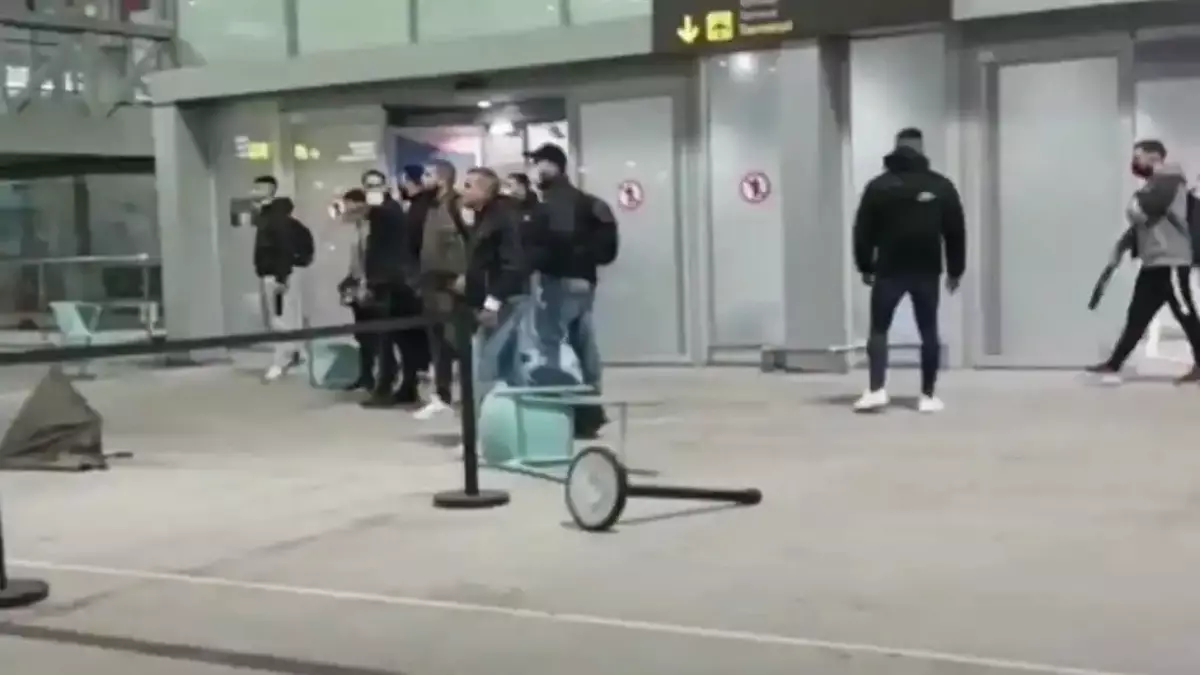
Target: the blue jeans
(564, 314)
(497, 353)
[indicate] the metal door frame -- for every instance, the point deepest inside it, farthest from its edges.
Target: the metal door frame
(679, 90)
(981, 65)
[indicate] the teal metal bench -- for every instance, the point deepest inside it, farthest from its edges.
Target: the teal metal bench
(78, 326)
(531, 430)
(333, 364)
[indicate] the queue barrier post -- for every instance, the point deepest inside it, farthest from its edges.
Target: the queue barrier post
(470, 496)
(18, 593)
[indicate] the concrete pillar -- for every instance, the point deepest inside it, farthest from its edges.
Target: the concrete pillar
(187, 223)
(815, 242)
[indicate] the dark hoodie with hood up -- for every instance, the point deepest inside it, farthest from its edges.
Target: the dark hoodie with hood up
(908, 218)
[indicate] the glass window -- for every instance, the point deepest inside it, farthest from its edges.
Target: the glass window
(53, 229)
(591, 11)
(456, 19)
(325, 25)
(231, 30)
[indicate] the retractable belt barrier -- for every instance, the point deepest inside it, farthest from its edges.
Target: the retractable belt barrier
(55, 355)
(597, 484)
(16, 593)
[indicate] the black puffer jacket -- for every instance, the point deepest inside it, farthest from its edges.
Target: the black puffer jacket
(389, 259)
(274, 245)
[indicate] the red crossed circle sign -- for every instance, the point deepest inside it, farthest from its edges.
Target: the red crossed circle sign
(755, 187)
(630, 195)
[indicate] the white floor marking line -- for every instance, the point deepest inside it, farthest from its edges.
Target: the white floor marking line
(568, 618)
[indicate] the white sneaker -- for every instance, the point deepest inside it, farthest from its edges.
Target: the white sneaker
(435, 407)
(930, 404)
(872, 401)
(273, 373)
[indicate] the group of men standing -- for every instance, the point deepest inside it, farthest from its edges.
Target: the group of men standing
(522, 261)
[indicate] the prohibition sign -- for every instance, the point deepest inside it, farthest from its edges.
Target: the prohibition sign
(630, 195)
(755, 187)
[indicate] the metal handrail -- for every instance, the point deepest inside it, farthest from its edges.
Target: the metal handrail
(144, 258)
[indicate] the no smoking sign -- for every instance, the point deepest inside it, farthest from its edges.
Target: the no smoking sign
(755, 187)
(630, 195)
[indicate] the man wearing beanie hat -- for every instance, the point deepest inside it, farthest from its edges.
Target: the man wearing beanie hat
(410, 182)
(574, 234)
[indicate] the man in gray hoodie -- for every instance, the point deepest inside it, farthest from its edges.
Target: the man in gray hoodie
(1158, 234)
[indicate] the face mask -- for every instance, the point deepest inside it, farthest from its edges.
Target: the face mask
(375, 197)
(1140, 170)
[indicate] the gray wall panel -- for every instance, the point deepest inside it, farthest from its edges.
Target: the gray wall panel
(981, 9)
(607, 40)
(65, 130)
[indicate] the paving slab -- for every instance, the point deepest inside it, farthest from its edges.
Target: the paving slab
(1041, 524)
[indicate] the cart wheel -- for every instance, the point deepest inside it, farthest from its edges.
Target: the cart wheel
(596, 489)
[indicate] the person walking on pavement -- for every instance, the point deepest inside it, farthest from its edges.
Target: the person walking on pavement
(1159, 232)
(908, 231)
(281, 245)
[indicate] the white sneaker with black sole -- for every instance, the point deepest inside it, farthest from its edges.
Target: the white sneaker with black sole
(930, 404)
(872, 401)
(434, 408)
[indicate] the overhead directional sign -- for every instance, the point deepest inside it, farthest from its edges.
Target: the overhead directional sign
(689, 26)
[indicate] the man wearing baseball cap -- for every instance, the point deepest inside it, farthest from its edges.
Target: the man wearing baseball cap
(573, 234)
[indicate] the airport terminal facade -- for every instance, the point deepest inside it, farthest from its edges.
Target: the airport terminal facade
(734, 157)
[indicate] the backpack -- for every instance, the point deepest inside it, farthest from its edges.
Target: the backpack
(604, 239)
(304, 248)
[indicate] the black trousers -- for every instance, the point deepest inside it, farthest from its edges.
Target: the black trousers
(442, 350)
(924, 291)
(396, 303)
(1154, 287)
(367, 342)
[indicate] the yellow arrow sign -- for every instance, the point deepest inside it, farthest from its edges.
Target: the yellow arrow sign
(688, 31)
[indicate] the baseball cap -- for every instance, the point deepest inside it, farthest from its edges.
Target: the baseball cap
(549, 152)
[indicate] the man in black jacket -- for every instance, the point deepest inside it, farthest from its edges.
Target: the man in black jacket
(574, 234)
(908, 216)
(496, 284)
(274, 263)
(390, 270)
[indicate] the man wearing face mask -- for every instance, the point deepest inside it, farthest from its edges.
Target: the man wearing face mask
(574, 234)
(1158, 232)
(375, 184)
(389, 269)
(443, 260)
(496, 280)
(274, 262)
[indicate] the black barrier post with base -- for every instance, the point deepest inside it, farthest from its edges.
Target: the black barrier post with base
(598, 488)
(17, 593)
(470, 496)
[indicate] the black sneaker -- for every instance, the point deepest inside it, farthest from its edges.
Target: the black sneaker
(589, 420)
(380, 400)
(360, 385)
(1106, 372)
(407, 395)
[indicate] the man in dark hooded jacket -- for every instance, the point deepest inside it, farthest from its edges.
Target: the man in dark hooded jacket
(908, 219)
